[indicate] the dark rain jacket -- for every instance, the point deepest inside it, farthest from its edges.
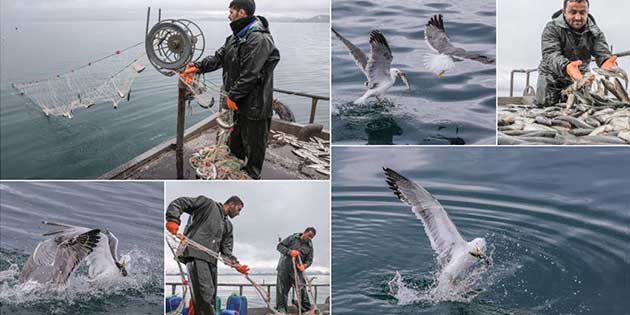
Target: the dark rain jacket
(294, 242)
(561, 45)
(207, 225)
(248, 60)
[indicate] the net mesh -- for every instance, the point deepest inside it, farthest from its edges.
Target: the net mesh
(107, 79)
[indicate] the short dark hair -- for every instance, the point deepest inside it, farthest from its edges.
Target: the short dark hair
(578, 1)
(235, 200)
(310, 229)
(249, 6)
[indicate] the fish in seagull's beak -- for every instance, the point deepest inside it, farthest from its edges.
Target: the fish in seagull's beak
(476, 252)
(123, 268)
(440, 74)
(403, 77)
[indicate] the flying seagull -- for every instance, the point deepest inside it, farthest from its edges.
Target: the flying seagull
(377, 69)
(455, 255)
(445, 54)
(54, 259)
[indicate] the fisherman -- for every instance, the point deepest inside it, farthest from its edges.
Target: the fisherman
(298, 244)
(248, 58)
(569, 41)
(208, 225)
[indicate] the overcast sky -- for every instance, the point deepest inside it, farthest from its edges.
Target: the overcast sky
(520, 25)
(272, 209)
(136, 9)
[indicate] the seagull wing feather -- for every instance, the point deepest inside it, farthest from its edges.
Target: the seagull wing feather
(441, 231)
(380, 60)
(359, 57)
(70, 252)
(43, 255)
(437, 38)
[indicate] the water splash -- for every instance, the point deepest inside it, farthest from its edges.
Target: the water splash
(358, 111)
(409, 291)
(79, 289)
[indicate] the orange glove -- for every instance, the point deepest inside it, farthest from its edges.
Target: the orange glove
(573, 70)
(231, 105)
(172, 227)
(610, 63)
(189, 74)
(301, 267)
(294, 253)
(244, 269)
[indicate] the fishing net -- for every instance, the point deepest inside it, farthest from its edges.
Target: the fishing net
(214, 161)
(107, 79)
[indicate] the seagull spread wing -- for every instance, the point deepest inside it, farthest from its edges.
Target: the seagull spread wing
(359, 57)
(53, 260)
(380, 59)
(437, 38)
(441, 231)
(103, 259)
(43, 257)
(70, 252)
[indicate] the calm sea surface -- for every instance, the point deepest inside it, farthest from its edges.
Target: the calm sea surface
(557, 224)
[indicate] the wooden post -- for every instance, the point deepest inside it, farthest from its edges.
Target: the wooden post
(181, 115)
(313, 109)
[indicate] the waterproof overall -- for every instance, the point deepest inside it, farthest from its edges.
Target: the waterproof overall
(248, 58)
(209, 226)
(285, 278)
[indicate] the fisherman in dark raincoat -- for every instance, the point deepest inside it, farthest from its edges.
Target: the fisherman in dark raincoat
(568, 43)
(298, 244)
(209, 225)
(248, 59)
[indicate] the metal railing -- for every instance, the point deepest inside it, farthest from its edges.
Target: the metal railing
(529, 71)
(527, 76)
(240, 286)
(314, 99)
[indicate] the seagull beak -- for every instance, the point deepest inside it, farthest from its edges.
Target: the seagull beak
(123, 268)
(403, 77)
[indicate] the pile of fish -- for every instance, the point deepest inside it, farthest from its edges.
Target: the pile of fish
(588, 117)
(214, 162)
(314, 153)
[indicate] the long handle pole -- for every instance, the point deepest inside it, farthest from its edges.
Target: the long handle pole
(146, 32)
(181, 115)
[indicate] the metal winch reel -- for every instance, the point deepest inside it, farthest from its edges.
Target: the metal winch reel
(172, 44)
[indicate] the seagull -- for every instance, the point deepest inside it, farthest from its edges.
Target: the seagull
(455, 255)
(445, 54)
(377, 68)
(54, 259)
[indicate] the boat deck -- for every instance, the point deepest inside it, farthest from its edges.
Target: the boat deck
(160, 162)
(323, 308)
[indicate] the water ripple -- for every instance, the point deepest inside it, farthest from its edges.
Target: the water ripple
(557, 250)
(462, 102)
